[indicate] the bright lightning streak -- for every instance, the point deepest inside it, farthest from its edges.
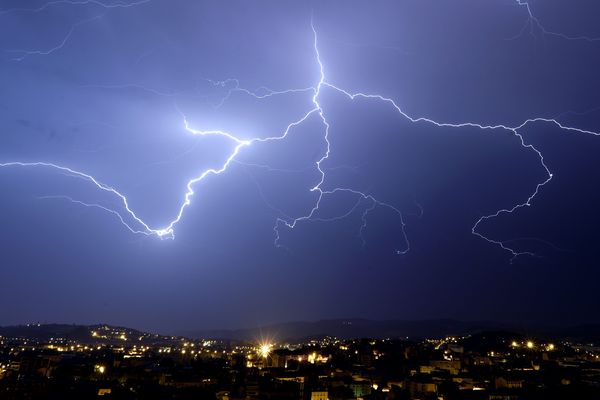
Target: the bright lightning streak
(513, 129)
(317, 110)
(168, 231)
(101, 207)
(318, 187)
(88, 178)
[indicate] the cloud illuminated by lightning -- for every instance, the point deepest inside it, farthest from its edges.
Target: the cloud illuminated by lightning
(136, 225)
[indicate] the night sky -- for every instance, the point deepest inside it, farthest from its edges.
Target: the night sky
(378, 227)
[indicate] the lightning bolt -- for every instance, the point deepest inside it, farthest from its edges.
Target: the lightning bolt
(95, 182)
(23, 54)
(512, 129)
(99, 206)
(291, 223)
(533, 22)
(130, 86)
(26, 53)
(262, 92)
(74, 3)
(136, 225)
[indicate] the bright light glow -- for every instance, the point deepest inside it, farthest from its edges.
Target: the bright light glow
(530, 345)
(265, 350)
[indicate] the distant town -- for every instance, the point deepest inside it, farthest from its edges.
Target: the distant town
(106, 362)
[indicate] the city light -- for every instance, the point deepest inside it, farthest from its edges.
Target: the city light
(303, 361)
(265, 350)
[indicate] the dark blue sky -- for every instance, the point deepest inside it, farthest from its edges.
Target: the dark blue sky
(105, 88)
